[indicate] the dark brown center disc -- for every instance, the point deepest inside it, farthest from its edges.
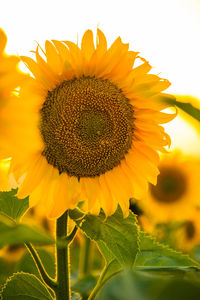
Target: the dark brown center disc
(171, 185)
(87, 126)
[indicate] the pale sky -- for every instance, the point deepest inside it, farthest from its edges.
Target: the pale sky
(165, 32)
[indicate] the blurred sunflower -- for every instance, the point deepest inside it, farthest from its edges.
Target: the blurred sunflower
(12, 253)
(10, 79)
(177, 191)
(86, 126)
(188, 236)
(6, 179)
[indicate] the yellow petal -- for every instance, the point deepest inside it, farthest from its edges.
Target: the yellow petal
(61, 192)
(35, 70)
(108, 203)
(53, 59)
(118, 188)
(3, 40)
(64, 53)
(35, 174)
(87, 44)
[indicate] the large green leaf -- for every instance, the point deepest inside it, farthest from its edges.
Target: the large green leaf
(12, 233)
(6, 270)
(84, 285)
(11, 206)
(115, 234)
(152, 256)
(25, 286)
(75, 296)
(153, 253)
(27, 265)
(151, 285)
(186, 106)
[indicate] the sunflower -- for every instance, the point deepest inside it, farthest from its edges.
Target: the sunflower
(86, 127)
(10, 79)
(12, 253)
(6, 179)
(177, 192)
(188, 236)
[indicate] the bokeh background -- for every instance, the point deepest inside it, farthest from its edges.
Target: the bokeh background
(166, 33)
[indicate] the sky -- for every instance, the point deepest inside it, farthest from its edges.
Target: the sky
(165, 32)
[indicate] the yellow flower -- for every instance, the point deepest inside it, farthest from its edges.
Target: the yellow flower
(12, 253)
(10, 78)
(86, 127)
(188, 236)
(177, 191)
(6, 179)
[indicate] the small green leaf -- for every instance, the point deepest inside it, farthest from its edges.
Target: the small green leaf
(115, 233)
(11, 206)
(84, 285)
(116, 237)
(111, 269)
(27, 265)
(75, 296)
(6, 270)
(25, 286)
(12, 233)
(186, 107)
(153, 253)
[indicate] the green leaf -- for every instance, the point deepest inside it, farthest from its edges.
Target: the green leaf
(25, 286)
(6, 270)
(84, 285)
(12, 233)
(152, 256)
(27, 265)
(75, 296)
(11, 206)
(153, 253)
(142, 285)
(115, 235)
(111, 269)
(186, 107)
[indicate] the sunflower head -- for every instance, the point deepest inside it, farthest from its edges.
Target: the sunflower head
(10, 79)
(171, 185)
(10, 76)
(12, 253)
(188, 236)
(177, 190)
(90, 128)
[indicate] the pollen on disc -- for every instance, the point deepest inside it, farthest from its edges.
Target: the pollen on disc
(87, 126)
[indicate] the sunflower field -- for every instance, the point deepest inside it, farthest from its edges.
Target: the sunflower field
(99, 150)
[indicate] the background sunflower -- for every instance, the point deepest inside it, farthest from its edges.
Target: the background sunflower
(10, 79)
(188, 235)
(177, 192)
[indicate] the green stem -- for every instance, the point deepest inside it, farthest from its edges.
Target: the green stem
(47, 279)
(101, 282)
(63, 290)
(85, 257)
(69, 239)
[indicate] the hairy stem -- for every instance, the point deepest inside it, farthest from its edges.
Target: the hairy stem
(101, 282)
(46, 278)
(63, 290)
(85, 257)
